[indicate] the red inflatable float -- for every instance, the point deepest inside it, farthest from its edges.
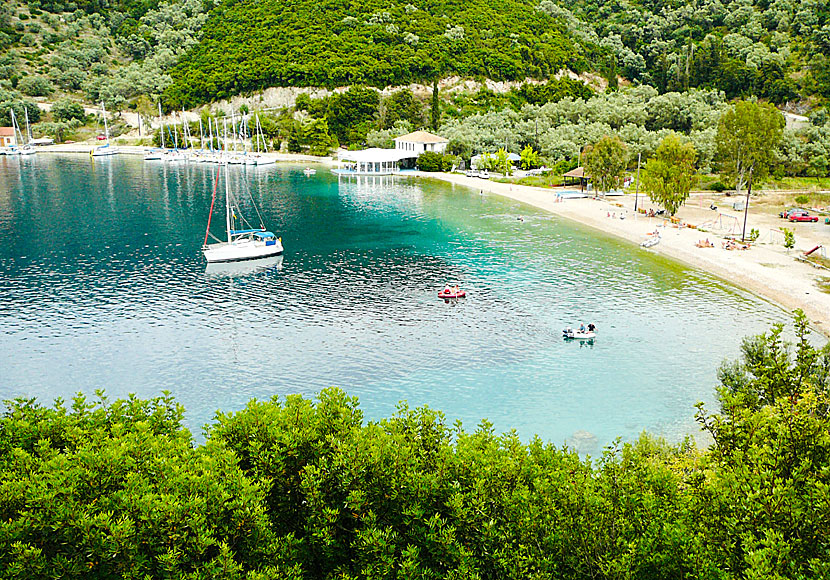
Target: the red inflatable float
(452, 294)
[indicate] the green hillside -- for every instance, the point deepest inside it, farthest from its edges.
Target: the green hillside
(199, 51)
(254, 44)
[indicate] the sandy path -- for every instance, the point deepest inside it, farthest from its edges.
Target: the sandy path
(765, 269)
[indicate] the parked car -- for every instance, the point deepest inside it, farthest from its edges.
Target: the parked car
(786, 212)
(802, 216)
(484, 174)
(101, 137)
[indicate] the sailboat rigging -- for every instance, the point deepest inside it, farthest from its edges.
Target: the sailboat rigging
(242, 244)
(107, 149)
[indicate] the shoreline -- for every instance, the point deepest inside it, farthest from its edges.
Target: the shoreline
(765, 269)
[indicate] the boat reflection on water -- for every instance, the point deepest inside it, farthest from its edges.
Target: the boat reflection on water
(235, 269)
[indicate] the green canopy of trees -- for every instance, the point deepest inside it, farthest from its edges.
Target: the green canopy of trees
(249, 45)
(296, 488)
(605, 163)
(670, 175)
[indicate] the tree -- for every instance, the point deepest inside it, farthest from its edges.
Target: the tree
(605, 162)
(67, 109)
(403, 106)
(35, 86)
(530, 158)
(430, 161)
(771, 441)
(668, 177)
(748, 136)
(318, 138)
(503, 163)
(57, 129)
(351, 115)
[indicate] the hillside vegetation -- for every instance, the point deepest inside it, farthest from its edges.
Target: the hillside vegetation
(253, 44)
(123, 49)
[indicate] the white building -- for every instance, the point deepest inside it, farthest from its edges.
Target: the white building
(7, 137)
(421, 141)
(377, 161)
(372, 161)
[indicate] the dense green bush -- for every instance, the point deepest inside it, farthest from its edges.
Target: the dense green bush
(430, 161)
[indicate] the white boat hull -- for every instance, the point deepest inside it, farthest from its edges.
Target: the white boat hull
(104, 151)
(578, 335)
(241, 250)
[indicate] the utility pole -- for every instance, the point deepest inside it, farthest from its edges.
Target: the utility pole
(746, 205)
(637, 187)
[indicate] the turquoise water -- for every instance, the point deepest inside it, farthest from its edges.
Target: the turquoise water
(103, 286)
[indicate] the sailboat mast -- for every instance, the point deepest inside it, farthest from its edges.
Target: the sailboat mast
(228, 211)
(106, 127)
(14, 127)
(201, 134)
(28, 130)
(210, 130)
(233, 129)
(161, 127)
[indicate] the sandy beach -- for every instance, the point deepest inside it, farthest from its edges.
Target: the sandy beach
(766, 269)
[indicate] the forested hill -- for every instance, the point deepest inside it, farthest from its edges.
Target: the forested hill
(774, 49)
(250, 45)
(191, 52)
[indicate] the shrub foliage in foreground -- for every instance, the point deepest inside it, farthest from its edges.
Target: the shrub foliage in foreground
(296, 488)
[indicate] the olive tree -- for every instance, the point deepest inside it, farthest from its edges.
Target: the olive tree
(605, 162)
(748, 136)
(670, 175)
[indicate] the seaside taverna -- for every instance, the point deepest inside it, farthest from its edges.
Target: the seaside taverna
(377, 161)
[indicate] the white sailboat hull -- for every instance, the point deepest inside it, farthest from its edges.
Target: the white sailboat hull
(104, 151)
(28, 150)
(241, 250)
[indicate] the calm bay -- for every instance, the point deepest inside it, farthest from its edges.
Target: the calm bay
(103, 286)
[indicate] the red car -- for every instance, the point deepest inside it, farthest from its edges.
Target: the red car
(101, 137)
(802, 216)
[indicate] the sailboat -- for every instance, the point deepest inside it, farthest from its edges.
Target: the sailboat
(259, 158)
(242, 244)
(28, 148)
(104, 150)
(156, 154)
(14, 149)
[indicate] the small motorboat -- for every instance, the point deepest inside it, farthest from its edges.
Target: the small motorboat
(452, 293)
(578, 334)
(309, 171)
(652, 240)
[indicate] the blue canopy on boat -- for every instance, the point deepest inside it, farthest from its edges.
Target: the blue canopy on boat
(239, 232)
(262, 235)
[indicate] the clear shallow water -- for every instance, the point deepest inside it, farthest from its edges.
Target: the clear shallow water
(103, 286)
